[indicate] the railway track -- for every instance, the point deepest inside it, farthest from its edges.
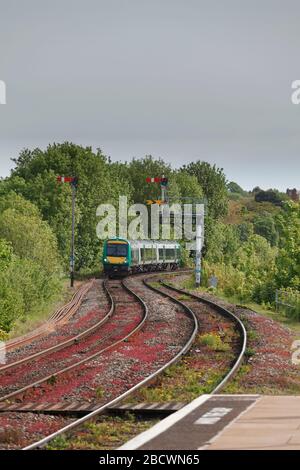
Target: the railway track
(95, 339)
(164, 290)
(112, 403)
(62, 344)
(60, 316)
(223, 312)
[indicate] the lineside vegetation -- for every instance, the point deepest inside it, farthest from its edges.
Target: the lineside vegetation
(252, 238)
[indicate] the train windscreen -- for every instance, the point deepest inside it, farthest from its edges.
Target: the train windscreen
(116, 249)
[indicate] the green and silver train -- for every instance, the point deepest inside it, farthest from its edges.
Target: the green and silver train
(122, 257)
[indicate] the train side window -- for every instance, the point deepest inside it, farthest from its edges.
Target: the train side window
(135, 255)
(148, 254)
(170, 253)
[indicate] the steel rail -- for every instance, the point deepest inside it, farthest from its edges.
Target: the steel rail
(63, 344)
(89, 358)
(59, 316)
(223, 311)
(121, 397)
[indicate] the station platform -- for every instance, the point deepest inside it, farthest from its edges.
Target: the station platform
(231, 422)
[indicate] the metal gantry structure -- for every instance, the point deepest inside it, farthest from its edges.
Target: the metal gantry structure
(199, 219)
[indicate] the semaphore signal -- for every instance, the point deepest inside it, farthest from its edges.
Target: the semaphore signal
(73, 180)
(163, 184)
(162, 180)
(67, 179)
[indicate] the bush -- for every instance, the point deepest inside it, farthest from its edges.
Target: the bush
(29, 262)
(291, 299)
(214, 342)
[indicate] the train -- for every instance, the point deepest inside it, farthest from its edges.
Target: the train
(122, 257)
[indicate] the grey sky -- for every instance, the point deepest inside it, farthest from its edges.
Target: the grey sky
(178, 79)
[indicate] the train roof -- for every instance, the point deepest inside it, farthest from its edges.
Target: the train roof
(145, 243)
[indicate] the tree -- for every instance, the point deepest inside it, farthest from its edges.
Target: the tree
(5, 254)
(34, 177)
(29, 261)
(188, 186)
(271, 195)
(213, 182)
(288, 260)
(223, 243)
(139, 170)
(235, 188)
(264, 225)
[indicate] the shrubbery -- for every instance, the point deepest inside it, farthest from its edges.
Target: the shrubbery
(29, 262)
(253, 248)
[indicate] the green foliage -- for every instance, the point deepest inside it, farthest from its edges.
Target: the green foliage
(271, 195)
(244, 231)
(247, 273)
(5, 254)
(214, 342)
(234, 188)
(252, 242)
(288, 260)
(265, 226)
(29, 236)
(137, 172)
(29, 261)
(189, 188)
(223, 243)
(213, 182)
(290, 302)
(35, 178)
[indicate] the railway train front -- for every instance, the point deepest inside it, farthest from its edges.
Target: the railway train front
(116, 257)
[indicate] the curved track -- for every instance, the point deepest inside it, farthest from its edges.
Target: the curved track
(107, 342)
(59, 316)
(225, 313)
(184, 349)
(167, 291)
(61, 345)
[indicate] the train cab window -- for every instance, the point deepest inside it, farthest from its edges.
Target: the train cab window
(116, 249)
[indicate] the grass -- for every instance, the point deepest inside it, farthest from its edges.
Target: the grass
(3, 335)
(280, 317)
(214, 342)
(106, 433)
(234, 386)
(185, 385)
(100, 392)
(184, 297)
(180, 382)
(155, 284)
(37, 318)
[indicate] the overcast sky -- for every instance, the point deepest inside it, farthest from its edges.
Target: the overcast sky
(182, 80)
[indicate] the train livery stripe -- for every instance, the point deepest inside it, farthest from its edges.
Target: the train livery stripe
(116, 259)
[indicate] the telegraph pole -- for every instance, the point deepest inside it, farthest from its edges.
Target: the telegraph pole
(73, 180)
(72, 262)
